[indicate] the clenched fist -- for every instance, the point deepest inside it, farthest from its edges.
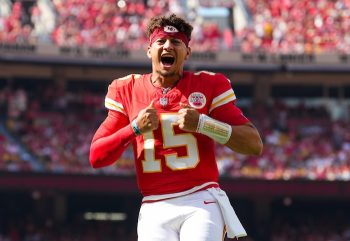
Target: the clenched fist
(188, 118)
(147, 120)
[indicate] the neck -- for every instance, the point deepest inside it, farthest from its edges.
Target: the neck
(162, 81)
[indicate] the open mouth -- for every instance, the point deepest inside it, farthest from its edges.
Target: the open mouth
(167, 61)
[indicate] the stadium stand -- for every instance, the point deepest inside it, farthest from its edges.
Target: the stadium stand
(276, 26)
(297, 26)
(301, 142)
(10, 157)
(57, 128)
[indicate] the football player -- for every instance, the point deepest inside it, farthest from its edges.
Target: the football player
(172, 118)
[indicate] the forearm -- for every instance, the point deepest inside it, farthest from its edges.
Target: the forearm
(106, 150)
(245, 139)
(242, 138)
(110, 140)
(227, 126)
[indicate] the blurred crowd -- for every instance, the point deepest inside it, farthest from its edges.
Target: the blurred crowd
(10, 157)
(298, 26)
(91, 23)
(300, 141)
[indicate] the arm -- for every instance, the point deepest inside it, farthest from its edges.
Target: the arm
(110, 140)
(244, 137)
(115, 133)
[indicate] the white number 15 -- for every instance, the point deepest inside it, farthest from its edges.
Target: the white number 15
(170, 140)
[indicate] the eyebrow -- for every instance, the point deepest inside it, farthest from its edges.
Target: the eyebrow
(171, 39)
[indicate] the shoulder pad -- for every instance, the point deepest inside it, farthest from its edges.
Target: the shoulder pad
(125, 80)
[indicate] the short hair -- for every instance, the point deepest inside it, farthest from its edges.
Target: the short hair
(172, 20)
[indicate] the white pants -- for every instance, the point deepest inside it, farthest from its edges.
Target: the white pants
(194, 217)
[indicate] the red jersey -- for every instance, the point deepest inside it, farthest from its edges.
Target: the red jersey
(169, 160)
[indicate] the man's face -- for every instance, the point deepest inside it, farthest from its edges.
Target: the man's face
(168, 56)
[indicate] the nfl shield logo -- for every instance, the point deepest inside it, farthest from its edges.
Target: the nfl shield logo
(163, 101)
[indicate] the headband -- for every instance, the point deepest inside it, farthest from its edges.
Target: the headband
(168, 31)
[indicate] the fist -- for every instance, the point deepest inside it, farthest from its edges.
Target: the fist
(147, 120)
(188, 118)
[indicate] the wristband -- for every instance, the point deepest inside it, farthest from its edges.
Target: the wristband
(217, 130)
(135, 128)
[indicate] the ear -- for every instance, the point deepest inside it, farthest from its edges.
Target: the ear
(189, 51)
(149, 52)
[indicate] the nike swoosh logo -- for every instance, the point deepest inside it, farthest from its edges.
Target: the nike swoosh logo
(208, 202)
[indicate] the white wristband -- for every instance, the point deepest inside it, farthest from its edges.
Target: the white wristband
(217, 130)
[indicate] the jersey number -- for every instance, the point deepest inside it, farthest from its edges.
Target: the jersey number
(170, 140)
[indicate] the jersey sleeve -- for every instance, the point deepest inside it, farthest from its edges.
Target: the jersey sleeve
(113, 98)
(223, 106)
(223, 92)
(110, 140)
(230, 114)
(115, 133)
(116, 90)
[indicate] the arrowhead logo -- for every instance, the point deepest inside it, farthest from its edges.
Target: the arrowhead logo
(170, 29)
(197, 100)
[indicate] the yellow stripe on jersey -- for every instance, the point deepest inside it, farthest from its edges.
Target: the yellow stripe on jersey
(222, 99)
(113, 105)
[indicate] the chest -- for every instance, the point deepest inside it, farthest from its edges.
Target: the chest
(171, 100)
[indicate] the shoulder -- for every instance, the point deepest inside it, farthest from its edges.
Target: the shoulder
(125, 81)
(118, 90)
(120, 86)
(211, 77)
(219, 86)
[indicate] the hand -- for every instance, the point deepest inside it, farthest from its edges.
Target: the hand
(188, 118)
(147, 120)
